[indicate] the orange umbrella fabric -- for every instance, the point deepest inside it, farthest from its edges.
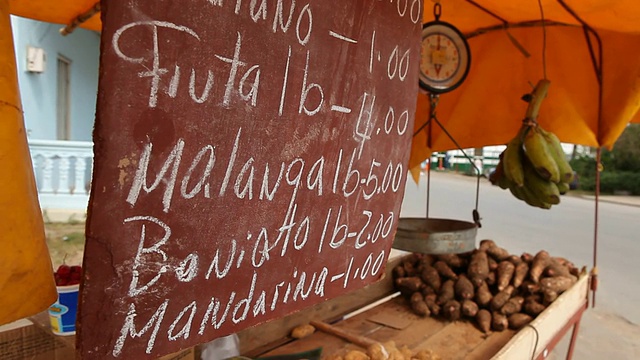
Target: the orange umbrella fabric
(486, 109)
(26, 274)
(58, 12)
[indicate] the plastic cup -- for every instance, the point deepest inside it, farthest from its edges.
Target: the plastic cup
(62, 313)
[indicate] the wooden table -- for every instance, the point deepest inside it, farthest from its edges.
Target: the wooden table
(393, 320)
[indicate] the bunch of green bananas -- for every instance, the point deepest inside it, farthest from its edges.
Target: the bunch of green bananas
(534, 167)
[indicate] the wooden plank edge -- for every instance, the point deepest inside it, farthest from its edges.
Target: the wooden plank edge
(575, 319)
(535, 338)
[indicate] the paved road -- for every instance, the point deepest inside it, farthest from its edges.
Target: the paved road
(611, 330)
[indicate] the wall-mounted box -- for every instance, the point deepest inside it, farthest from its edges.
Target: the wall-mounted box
(35, 59)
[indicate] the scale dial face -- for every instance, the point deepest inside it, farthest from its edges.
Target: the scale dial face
(444, 58)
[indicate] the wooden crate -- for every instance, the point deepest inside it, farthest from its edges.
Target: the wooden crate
(547, 329)
(391, 319)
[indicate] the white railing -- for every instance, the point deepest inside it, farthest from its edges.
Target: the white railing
(63, 173)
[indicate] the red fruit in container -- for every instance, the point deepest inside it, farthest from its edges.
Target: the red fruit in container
(61, 280)
(68, 275)
(63, 270)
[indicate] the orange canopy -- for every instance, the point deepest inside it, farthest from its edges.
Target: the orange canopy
(26, 276)
(58, 12)
(486, 109)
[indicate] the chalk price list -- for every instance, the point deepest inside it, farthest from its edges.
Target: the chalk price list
(352, 174)
(355, 181)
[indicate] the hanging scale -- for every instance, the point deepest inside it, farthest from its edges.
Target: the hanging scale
(444, 64)
(444, 56)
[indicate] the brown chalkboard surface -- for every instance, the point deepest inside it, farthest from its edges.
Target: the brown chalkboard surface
(250, 161)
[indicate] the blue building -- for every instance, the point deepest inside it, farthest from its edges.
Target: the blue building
(58, 79)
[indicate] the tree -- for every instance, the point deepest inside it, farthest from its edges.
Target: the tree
(621, 165)
(626, 150)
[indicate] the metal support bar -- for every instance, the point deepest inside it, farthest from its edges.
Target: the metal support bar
(574, 337)
(573, 322)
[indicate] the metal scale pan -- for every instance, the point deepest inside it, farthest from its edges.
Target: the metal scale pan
(435, 236)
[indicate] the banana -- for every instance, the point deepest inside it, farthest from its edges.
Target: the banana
(556, 151)
(512, 159)
(544, 190)
(563, 187)
(498, 178)
(538, 153)
(531, 199)
(517, 191)
(524, 194)
(503, 182)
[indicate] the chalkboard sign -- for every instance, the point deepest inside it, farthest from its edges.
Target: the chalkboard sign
(250, 161)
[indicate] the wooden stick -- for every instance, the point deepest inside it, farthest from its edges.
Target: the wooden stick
(80, 19)
(344, 334)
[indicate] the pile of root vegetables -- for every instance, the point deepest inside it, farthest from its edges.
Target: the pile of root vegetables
(496, 289)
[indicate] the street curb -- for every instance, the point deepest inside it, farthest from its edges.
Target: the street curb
(609, 201)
